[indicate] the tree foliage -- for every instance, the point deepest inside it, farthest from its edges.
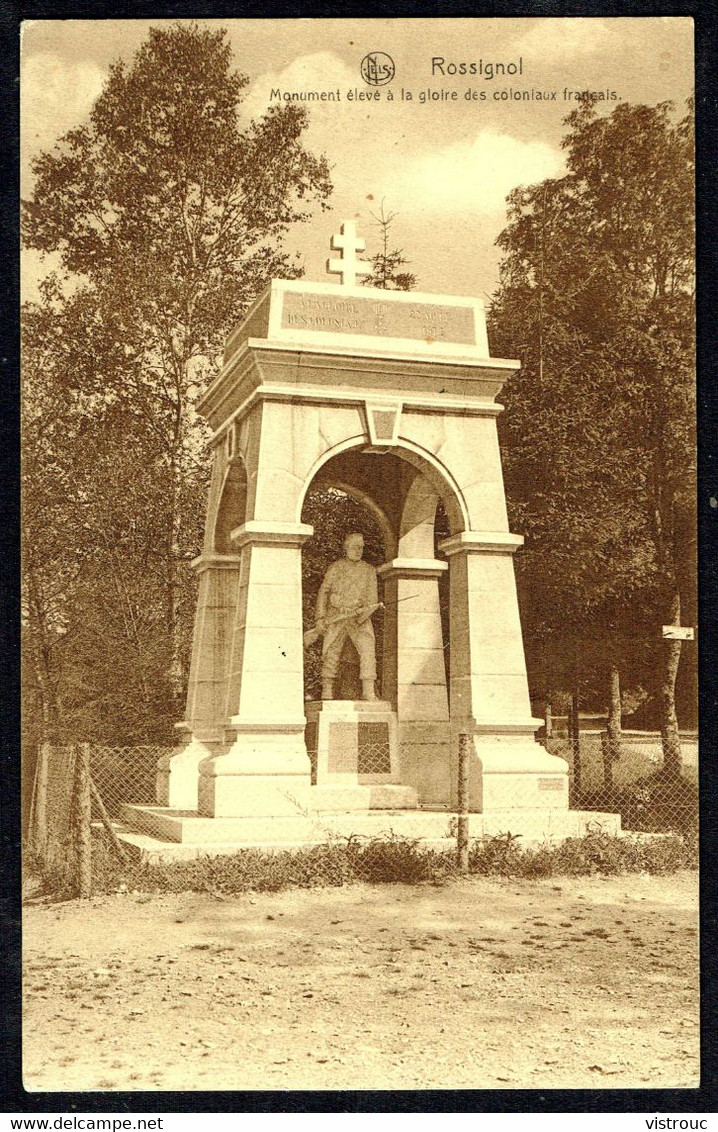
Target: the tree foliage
(164, 181)
(596, 299)
(168, 218)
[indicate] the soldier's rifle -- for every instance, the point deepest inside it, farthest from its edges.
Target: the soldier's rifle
(314, 634)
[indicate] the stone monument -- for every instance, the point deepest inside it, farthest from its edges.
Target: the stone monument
(390, 396)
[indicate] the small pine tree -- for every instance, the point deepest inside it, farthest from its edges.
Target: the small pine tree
(386, 264)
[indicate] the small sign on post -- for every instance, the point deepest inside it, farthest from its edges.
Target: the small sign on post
(677, 633)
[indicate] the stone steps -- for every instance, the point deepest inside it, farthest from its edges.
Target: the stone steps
(161, 834)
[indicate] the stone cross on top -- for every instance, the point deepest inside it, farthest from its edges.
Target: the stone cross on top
(347, 243)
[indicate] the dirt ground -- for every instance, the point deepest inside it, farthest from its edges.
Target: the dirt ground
(565, 983)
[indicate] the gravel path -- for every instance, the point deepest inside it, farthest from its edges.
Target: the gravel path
(565, 983)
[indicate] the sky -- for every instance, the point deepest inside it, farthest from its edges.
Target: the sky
(443, 165)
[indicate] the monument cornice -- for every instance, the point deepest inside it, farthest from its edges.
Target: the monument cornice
(507, 727)
(262, 370)
(372, 348)
(214, 561)
(241, 371)
(245, 723)
(255, 532)
(370, 351)
(412, 567)
(481, 542)
(378, 359)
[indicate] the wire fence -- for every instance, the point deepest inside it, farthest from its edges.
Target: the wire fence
(77, 797)
(628, 775)
(125, 774)
(80, 839)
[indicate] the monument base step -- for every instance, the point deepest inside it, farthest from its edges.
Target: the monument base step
(342, 798)
(161, 834)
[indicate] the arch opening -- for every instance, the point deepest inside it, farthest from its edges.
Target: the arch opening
(384, 475)
(232, 508)
(394, 502)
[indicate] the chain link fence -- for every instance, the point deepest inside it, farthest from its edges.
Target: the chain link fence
(77, 796)
(79, 842)
(627, 775)
(125, 774)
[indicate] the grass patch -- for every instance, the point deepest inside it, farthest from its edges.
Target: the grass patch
(391, 860)
(595, 854)
(55, 879)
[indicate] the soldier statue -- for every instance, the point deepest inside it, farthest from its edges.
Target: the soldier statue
(347, 598)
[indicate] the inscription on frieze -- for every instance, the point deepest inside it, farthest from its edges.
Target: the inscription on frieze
(379, 318)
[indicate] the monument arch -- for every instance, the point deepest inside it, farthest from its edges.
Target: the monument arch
(438, 475)
(392, 395)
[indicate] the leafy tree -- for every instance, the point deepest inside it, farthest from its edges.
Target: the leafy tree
(96, 507)
(386, 264)
(596, 298)
(169, 219)
(52, 555)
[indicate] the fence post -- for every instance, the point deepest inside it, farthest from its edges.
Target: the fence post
(576, 740)
(38, 812)
(83, 820)
(610, 749)
(462, 824)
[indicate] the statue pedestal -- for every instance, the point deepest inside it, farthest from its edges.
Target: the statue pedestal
(352, 741)
(353, 749)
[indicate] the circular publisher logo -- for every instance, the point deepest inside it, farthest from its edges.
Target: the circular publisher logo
(377, 68)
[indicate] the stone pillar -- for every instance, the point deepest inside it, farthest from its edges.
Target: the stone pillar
(266, 771)
(205, 717)
(489, 687)
(414, 673)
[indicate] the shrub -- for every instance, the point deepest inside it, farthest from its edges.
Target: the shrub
(496, 856)
(606, 854)
(398, 860)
